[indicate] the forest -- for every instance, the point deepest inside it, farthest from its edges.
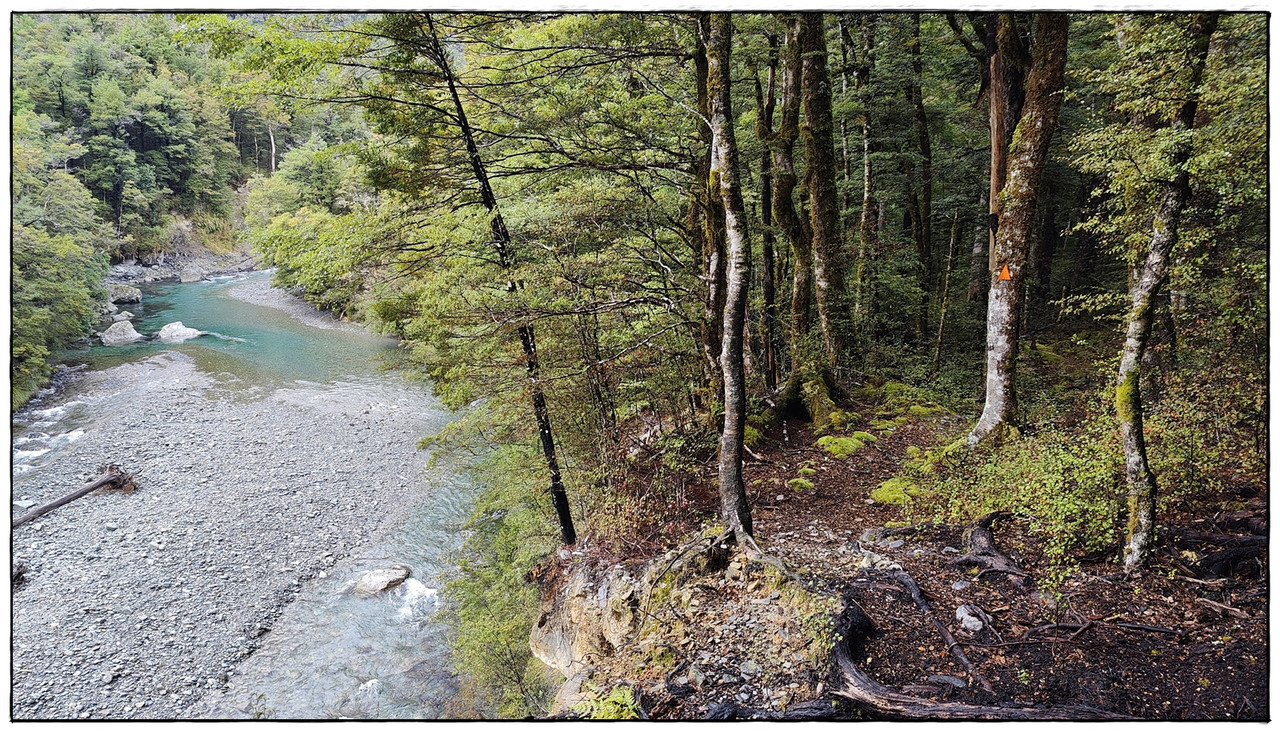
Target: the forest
(712, 277)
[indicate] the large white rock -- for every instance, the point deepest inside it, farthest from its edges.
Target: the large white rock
(378, 580)
(177, 333)
(120, 334)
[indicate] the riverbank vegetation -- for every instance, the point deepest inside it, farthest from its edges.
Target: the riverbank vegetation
(643, 248)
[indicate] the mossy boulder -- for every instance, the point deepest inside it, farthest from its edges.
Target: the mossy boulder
(806, 472)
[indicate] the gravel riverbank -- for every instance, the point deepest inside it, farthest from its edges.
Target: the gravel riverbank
(136, 605)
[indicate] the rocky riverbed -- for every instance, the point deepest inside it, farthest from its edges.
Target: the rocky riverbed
(137, 605)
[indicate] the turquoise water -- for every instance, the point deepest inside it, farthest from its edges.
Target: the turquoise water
(248, 345)
(330, 654)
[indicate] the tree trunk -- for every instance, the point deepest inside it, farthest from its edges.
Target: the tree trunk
(706, 222)
(946, 288)
(867, 221)
(820, 179)
(271, 134)
(979, 264)
(1173, 199)
(784, 207)
(1017, 203)
(734, 508)
(764, 131)
(924, 182)
(506, 260)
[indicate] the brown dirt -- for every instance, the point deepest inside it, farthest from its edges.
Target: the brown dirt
(1189, 660)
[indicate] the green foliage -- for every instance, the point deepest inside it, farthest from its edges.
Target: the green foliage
(619, 703)
(896, 491)
(492, 604)
(56, 257)
(1069, 482)
(843, 447)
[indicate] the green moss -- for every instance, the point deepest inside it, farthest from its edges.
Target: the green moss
(895, 389)
(921, 410)
(896, 491)
(841, 447)
(806, 472)
(1127, 398)
(751, 436)
(800, 484)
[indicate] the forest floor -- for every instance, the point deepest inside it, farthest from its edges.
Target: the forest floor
(1176, 643)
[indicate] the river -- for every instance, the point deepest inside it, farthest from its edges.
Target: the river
(277, 463)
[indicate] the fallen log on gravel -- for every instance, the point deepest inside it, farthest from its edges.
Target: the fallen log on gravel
(110, 476)
(852, 628)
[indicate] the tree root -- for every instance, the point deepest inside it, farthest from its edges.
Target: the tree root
(852, 629)
(953, 645)
(984, 554)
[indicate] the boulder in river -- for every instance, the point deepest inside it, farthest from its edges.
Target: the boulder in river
(177, 333)
(191, 273)
(380, 580)
(123, 293)
(123, 315)
(120, 334)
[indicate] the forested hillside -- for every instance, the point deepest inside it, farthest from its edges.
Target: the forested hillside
(645, 250)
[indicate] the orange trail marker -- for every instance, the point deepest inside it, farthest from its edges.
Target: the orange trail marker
(1004, 273)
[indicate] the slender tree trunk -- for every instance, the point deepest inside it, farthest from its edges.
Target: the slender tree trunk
(765, 100)
(829, 261)
(1141, 481)
(506, 260)
(979, 263)
(924, 183)
(1017, 217)
(734, 508)
(706, 223)
(946, 287)
(867, 221)
(784, 206)
(271, 134)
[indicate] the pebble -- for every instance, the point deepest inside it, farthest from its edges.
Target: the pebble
(961, 585)
(190, 613)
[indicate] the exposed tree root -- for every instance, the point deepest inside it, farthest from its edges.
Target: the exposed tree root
(984, 554)
(852, 628)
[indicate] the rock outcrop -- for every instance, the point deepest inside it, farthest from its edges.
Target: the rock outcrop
(123, 293)
(120, 334)
(177, 333)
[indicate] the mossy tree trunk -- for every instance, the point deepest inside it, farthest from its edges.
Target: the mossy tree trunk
(782, 144)
(735, 511)
(765, 103)
(867, 221)
(1143, 288)
(820, 179)
(1017, 206)
(706, 224)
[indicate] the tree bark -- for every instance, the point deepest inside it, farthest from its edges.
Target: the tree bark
(784, 207)
(706, 222)
(1017, 205)
(506, 260)
(924, 182)
(1142, 487)
(946, 290)
(867, 221)
(820, 178)
(765, 102)
(979, 264)
(734, 508)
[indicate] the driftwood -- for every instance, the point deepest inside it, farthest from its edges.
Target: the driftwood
(984, 554)
(852, 628)
(905, 580)
(110, 476)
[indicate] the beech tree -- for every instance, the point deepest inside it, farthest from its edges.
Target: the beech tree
(735, 510)
(1016, 205)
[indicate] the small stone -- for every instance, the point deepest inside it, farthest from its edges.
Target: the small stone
(961, 584)
(112, 527)
(749, 668)
(896, 544)
(950, 550)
